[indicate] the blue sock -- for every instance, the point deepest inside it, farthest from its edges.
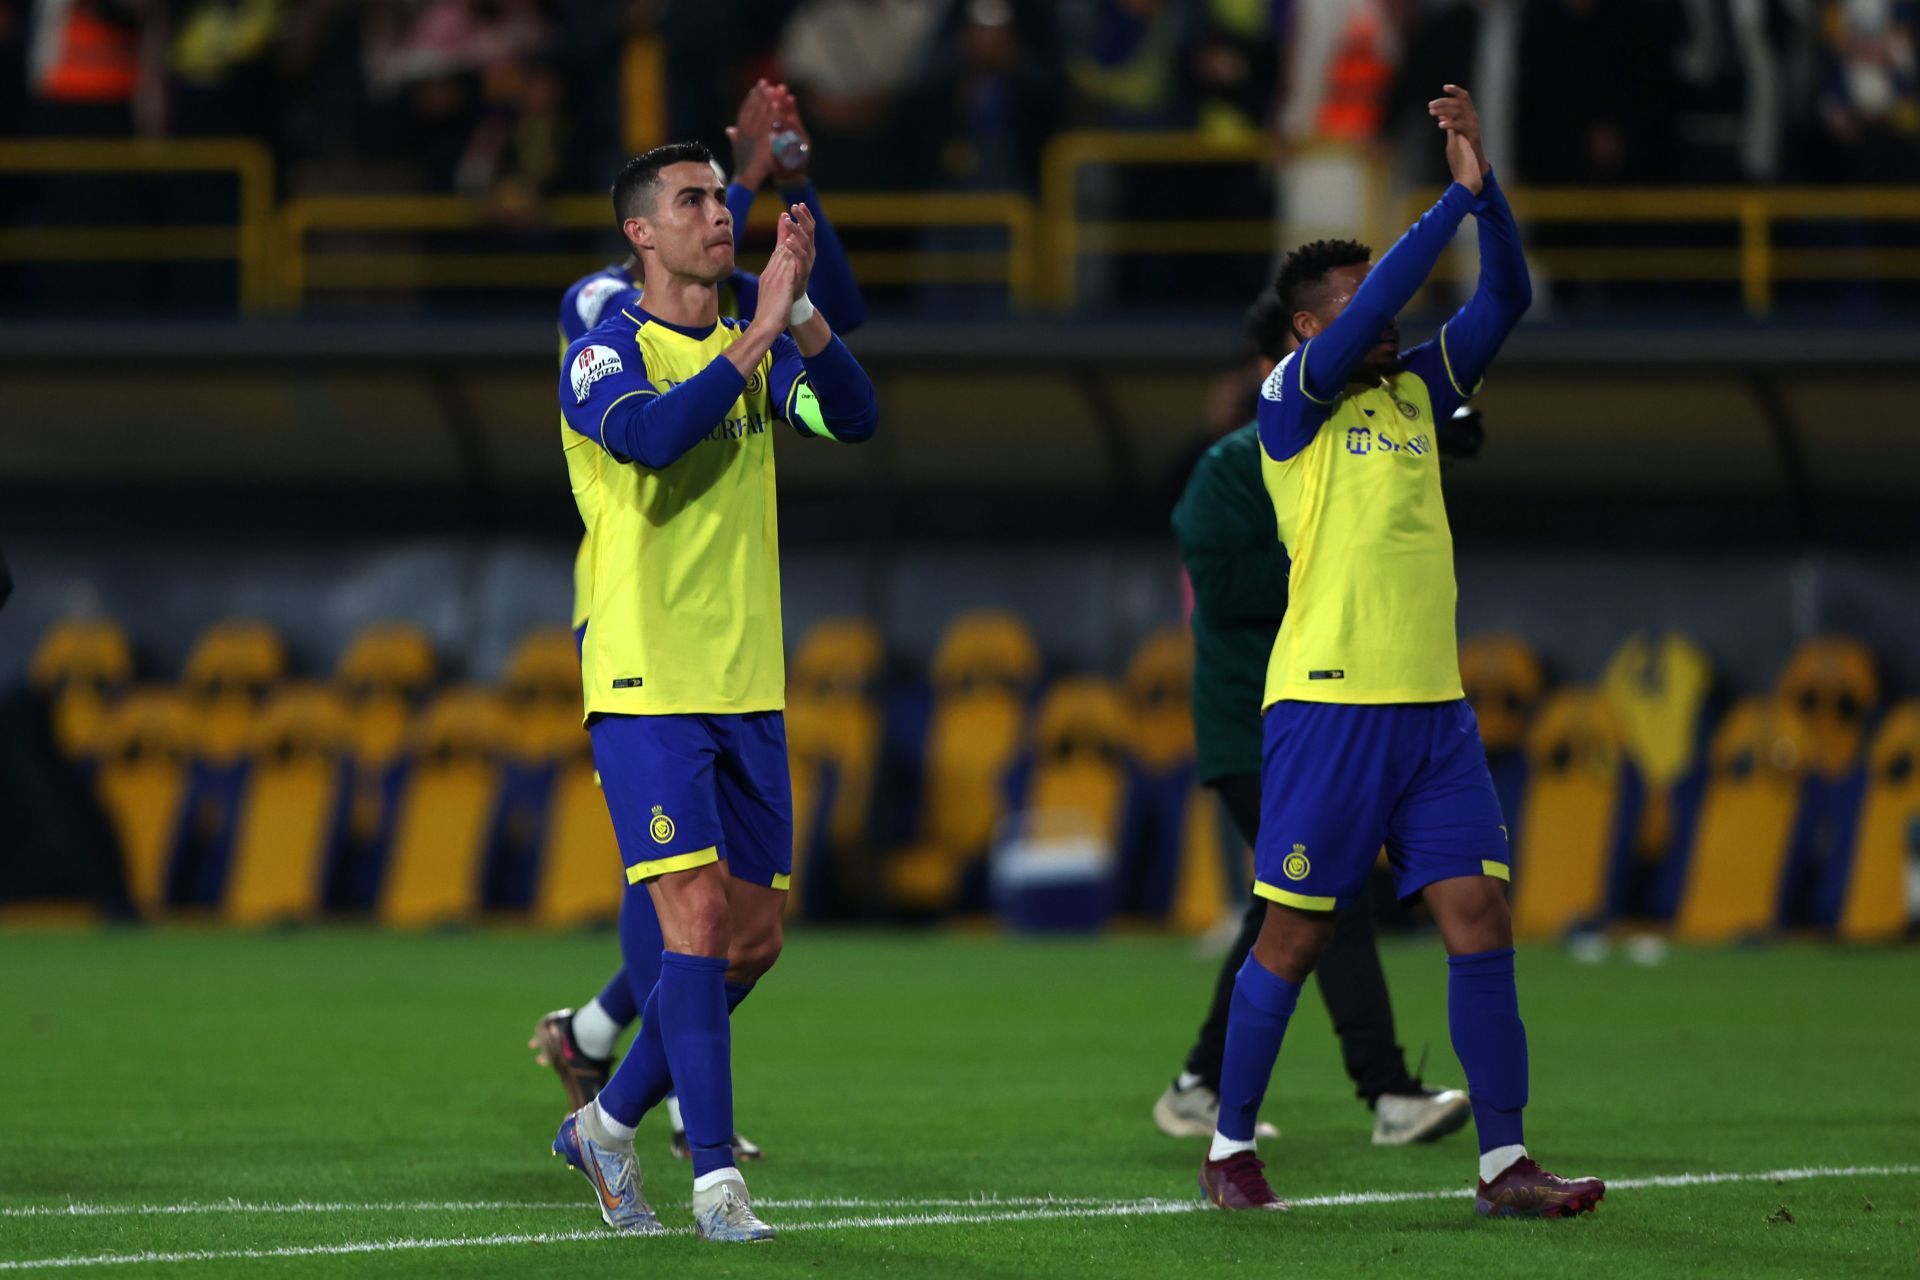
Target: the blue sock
(736, 992)
(640, 947)
(1483, 1013)
(693, 1026)
(617, 999)
(642, 1078)
(1256, 1024)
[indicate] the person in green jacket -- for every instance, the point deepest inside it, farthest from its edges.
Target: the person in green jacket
(1224, 524)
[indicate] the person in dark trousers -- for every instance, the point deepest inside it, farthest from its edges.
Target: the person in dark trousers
(1224, 524)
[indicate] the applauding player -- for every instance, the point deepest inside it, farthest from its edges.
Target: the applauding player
(579, 1046)
(1368, 737)
(667, 412)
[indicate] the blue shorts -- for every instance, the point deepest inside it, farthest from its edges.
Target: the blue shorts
(1338, 780)
(692, 789)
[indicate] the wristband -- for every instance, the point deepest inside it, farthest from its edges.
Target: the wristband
(801, 313)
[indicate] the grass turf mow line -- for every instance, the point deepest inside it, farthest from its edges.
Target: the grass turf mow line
(983, 1214)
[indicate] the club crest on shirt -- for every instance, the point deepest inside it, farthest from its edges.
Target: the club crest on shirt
(661, 828)
(1296, 865)
(591, 365)
(755, 383)
(593, 296)
(1406, 409)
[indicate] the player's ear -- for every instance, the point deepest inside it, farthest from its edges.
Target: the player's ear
(1307, 325)
(639, 232)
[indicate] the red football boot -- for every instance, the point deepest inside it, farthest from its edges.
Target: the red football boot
(1237, 1183)
(1526, 1190)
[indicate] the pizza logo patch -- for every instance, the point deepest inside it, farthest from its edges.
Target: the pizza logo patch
(591, 365)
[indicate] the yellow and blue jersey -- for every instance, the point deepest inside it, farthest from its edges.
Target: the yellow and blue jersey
(670, 457)
(1354, 474)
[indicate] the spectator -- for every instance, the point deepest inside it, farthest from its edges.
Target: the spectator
(1870, 90)
(1124, 59)
(853, 63)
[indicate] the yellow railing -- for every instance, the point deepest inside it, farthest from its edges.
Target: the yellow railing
(304, 267)
(285, 253)
(1755, 262)
(246, 243)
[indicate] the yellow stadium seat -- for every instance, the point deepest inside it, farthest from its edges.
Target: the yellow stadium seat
(143, 747)
(389, 657)
(1567, 831)
(236, 655)
(1875, 906)
(834, 729)
(982, 673)
(1200, 891)
(1079, 783)
(1834, 683)
(1159, 689)
(1658, 685)
(546, 664)
(439, 837)
(1757, 761)
(285, 820)
(1503, 681)
(82, 665)
(581, 879)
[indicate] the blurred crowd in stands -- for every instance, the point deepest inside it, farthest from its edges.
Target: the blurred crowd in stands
(513, 98)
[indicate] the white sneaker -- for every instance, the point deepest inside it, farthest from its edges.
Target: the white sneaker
(1195, 1113)
(1400, 1119)
(723, 1212)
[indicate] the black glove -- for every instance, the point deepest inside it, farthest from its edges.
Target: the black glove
(1462, 435)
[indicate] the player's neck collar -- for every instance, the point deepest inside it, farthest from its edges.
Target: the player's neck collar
(699, 333)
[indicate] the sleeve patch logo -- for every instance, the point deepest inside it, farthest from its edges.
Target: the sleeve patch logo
(1296, 866)
(591, 365)
(661, 828)
(1277, 380)
(593, 297)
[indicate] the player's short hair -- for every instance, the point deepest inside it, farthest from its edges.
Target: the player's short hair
(1305, 270)
(1268, 324)
(638, 184)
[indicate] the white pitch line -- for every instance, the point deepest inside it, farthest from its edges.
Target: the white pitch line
(981, 1212)
(79, 1210)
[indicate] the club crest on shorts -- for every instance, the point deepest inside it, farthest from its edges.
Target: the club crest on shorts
(1296, 866)
(661, 828)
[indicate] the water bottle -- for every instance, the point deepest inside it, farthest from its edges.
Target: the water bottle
(790, 150)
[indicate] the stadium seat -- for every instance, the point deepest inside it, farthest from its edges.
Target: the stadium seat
(580, 879)
(1756, 764)
(1569, 829)
(390, 657)
(1874, 906)
(1504, 681)
(232, 667)
(82, 666)
(1834, 683)
(1660, 686)
(983, 674)
(1172, 868)
(383, 675)
(541, 700)
(446, 804)
(143, 747)
(286, 821)
(1068, 801)
(834, 729)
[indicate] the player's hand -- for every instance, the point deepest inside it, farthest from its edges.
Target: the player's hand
(1457, 116)
(796, 233)
(751, 134)
(780, 286)
(786, 115)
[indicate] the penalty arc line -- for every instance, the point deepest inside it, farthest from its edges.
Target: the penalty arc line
(984, 1213)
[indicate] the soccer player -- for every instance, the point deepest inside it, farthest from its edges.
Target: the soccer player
(1367, 736)
(579, 1045)
(1224, 525)
(667, 407)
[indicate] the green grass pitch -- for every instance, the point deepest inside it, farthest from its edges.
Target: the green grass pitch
(314, 1096)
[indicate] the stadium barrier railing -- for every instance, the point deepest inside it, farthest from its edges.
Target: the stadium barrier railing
(1036, 255)
(247, 241)
(304, 267)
